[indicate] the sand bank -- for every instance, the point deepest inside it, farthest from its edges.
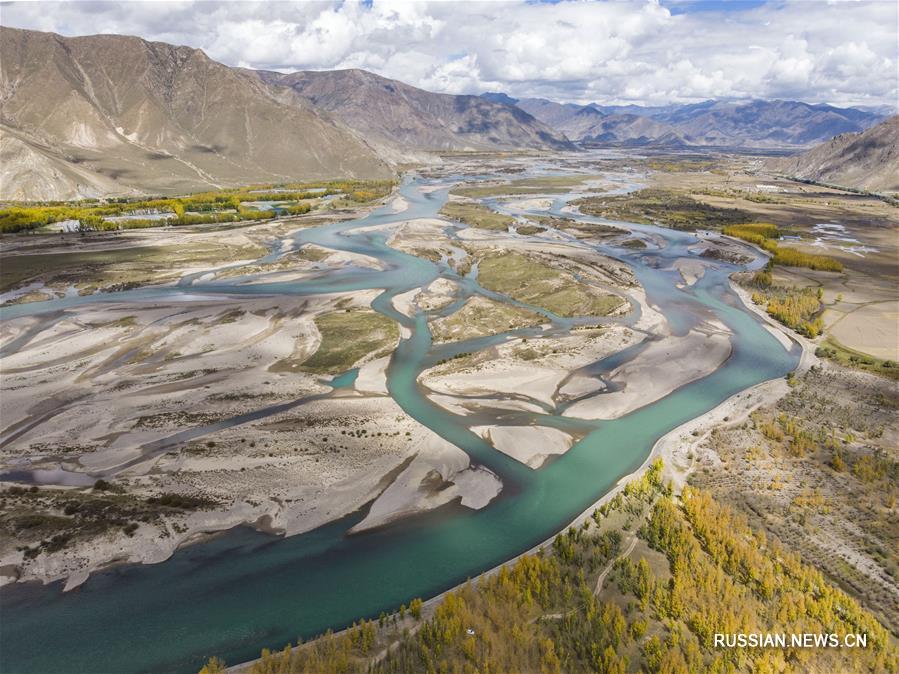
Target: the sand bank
(690, 270)
(532, 371)
(659, 369)
(531, 445)
(439, 473)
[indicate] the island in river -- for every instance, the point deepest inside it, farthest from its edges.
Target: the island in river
(412, 395)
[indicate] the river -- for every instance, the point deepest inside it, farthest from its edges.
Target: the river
(244, 590)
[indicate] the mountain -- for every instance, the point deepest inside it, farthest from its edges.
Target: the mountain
(763, 124)
(867, 160)
(882, 110)
(549, 112)
(642, 110)
(109, 114)
(629, 129)
(397, 117)
(499, 97)
(586, 124)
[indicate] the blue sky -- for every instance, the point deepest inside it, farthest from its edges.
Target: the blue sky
(619, 52)
(688, 6)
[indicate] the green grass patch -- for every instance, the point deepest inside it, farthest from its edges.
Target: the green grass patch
(528, 230)
(677, 165)
(564, 181)
(504, 190)
(664, 208)
(574, 301)
(833, 350)
(524, 187)
(480, 317)
(316, 254)
(636, 244)
(349, 336)
(540, 285)
(476, 215)
(582, 230)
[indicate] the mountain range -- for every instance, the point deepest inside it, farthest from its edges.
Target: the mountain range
(755, 123)
(109, 114)
(868, 160)
(394, 116)
(90, 116)
(588, 125)
(116, 115)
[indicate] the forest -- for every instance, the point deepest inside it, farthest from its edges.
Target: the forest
(797, 308)
(764, 236)
(228, 205)
(694, 567)
(818, 471)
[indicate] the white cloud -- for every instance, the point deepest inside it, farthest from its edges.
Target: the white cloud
(637, 52)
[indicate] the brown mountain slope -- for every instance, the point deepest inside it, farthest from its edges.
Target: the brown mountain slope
(758, 123)
(396, 116)
(586, 124)
(108, 114)
(867, 160)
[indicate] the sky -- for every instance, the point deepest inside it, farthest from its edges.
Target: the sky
(647, 52)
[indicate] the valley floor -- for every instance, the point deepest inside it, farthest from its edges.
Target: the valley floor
(197, 412)
(150, 412)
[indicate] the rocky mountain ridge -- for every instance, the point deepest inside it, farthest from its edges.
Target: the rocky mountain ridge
(747, 124)
(868, 160)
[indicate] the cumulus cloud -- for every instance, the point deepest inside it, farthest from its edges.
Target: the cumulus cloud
(610, 52)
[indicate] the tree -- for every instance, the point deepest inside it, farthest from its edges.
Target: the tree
(214, 666)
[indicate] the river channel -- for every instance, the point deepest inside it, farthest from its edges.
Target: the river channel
(244, 590)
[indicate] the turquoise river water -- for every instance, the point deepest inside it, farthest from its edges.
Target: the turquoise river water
(244, 590)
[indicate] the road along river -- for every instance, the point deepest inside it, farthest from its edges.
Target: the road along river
(245, 590)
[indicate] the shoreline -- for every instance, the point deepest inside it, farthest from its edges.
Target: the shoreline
(763, 393)
(676, 444)
(429, 452)
(157, 543)
(673, 446)
(207, 526)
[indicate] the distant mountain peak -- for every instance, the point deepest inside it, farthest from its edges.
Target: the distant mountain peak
(499, 97)
(725, 122)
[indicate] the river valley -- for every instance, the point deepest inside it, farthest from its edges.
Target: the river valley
(632, 378)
